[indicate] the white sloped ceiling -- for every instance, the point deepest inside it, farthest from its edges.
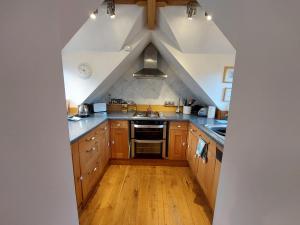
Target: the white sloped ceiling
(193, 36)
(105, 34)
(196, 50)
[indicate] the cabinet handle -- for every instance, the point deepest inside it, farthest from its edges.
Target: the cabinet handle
(118, 125)
(183, 144)
(81, 178)
(92, 149)
(108, 144)
(113, 142)
(178, 126)
(105, 128)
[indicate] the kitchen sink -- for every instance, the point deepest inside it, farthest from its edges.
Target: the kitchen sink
(219, 129)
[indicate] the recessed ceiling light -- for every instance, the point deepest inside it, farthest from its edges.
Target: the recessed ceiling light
(94, 14)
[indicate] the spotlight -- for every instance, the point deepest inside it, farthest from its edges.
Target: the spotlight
(94, 14)
(191, 9)
(111, 8)
(208, 16)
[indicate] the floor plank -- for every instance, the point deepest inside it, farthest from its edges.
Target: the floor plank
(147, 195)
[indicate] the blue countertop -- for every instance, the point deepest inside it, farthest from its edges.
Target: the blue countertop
(79, 128)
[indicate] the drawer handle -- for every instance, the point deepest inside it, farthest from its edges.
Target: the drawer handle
(178, 126)
(92, 149)
(91, 139)
(105, 128)
(118, 125)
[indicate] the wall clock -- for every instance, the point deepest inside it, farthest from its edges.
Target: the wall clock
(85, 71)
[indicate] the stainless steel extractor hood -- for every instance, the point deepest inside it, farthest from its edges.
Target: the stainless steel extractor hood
(150, 70)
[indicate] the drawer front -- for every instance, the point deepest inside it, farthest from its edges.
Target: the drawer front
(89, 137)
(119, 124)
(102, 127)
(179, 125)
(204, 137)
(88, 156)
(89, 180)
(193, 129)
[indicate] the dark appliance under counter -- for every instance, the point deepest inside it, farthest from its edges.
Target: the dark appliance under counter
(148, 139)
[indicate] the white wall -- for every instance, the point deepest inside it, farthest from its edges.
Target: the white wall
(35, 164)
(260, 179)
(102, 64)
(149, 91)
(106, 67)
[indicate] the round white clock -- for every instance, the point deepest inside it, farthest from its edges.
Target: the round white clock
(85, 71)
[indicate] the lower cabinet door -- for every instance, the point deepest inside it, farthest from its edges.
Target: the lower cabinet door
(119, 143)
(194, 160)
(177, 144)
(215, 184)
(76, 171)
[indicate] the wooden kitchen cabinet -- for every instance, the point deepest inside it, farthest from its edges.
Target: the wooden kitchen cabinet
(207, 173)
(119, 139)
(90, 156)
(215, 182)
(107, 151)
(206, 169)
(177, 141)
(191, 151)
(76, 171)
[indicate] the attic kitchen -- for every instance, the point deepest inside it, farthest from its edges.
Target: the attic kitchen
(147, 112)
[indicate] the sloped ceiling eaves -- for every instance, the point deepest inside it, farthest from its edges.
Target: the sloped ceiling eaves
(164, 26)
(158, 41)
(108, 82)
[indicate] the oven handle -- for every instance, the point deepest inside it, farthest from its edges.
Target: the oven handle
(148, 126)
(149, 141)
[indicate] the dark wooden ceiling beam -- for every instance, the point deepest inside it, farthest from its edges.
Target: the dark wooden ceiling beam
(151, 6)
(151, 13)
(160, 3)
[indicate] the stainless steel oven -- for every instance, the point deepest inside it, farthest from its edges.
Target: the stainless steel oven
(148, 139)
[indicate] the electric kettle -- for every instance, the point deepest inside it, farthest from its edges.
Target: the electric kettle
(83, 110)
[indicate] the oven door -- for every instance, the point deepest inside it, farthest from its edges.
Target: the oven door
(148, 132)
(153, 149)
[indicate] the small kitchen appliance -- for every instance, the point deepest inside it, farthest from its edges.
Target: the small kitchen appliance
(99, 107)
(203, 112)
(83, 110)
(211, 112)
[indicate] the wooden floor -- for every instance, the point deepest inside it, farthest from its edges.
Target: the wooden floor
(147, 195)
